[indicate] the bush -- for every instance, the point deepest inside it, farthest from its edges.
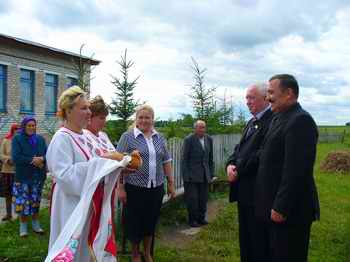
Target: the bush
(337, 161)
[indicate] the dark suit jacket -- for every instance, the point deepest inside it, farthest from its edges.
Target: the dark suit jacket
(285, 179)
(197, 165)
(246, 160)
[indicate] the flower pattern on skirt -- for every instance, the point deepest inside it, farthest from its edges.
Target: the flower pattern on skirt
(26, 198)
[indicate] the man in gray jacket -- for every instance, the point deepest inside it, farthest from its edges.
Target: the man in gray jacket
(197, 171)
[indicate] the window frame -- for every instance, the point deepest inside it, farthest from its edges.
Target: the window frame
(68, 80)
(32, 90)
(3, 77)
(55, 86)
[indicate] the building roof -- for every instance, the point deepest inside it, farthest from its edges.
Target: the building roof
(15, 41)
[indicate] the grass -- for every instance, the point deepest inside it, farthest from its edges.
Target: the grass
(330, 238)
(33, 248)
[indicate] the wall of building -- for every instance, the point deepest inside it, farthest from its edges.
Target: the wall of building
(15, 59)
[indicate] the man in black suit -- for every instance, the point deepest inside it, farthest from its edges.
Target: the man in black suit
(197, 168)
(285, 191)
(242, 167)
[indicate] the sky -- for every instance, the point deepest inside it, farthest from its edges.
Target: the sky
(238, 42)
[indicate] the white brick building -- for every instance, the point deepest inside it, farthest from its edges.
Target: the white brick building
(32, 76)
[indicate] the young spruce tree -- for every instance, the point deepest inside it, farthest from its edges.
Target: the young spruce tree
(124, 104)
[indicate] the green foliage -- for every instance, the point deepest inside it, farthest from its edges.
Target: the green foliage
(124, 104)
(114, 129)
(83, 69)
(202, 97)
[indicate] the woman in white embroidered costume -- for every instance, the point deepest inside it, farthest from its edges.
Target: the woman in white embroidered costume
(94, 133)
(77, 174)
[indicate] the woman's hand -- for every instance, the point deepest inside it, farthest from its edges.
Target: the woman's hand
(121, 193)
(171, 189)
(127, 171)
(38, 161)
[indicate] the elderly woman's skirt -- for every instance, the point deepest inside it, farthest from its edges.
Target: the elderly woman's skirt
(142, 211)
(6, 183)
(26, 198)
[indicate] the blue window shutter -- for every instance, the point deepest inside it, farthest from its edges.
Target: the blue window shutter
(51, 90)
(3, 88)
(71, 81)
(27, 91)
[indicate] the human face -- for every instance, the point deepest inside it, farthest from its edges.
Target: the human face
(80, 114)
(277, 96)
(97, 123)
(144, 121)
(256, 101)
(200, 129)
(30, 128)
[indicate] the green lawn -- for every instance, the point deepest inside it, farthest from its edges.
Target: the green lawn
(330, 238)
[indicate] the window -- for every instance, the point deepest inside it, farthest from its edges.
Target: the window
(27, 91)
(3, 87)
(51, 87)
(71, 81)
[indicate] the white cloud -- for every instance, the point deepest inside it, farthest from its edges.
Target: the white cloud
(239, 42)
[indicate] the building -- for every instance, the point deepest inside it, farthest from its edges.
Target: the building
(32, 76)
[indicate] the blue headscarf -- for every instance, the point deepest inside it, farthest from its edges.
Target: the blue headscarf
(33, 139)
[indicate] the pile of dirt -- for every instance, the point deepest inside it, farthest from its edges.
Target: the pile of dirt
(337, 161)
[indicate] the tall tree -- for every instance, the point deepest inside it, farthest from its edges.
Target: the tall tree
(124, 105)
(202, 97)
(83, 69)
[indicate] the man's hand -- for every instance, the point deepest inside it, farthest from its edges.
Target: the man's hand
(277, 217)
(231, 173)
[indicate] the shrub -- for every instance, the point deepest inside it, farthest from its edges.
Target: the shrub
(337, 161)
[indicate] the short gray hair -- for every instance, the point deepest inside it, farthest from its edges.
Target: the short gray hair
(261, 87)
(197, 122)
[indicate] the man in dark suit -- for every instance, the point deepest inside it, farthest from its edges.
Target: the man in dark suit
(286, 196)
(242, 167)
(197, 171)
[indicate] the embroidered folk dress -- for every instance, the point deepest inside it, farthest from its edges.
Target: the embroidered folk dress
(77, 172)
(101, 143)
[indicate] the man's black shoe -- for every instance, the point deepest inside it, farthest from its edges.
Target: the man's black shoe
(194, 224)
(203, 222)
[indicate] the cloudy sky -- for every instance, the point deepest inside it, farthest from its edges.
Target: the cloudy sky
(237, 41)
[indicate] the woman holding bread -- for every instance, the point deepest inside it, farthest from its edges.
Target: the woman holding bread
(81, 216)
(144, 189)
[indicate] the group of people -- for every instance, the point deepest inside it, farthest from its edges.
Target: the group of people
(23, 173)
(270, 174)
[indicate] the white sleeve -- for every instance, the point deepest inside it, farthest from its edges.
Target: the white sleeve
(63, 165)
(111, 147)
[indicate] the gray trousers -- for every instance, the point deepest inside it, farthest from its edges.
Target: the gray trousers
(196, 198)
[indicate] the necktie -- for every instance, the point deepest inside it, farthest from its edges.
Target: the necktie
(251, 126)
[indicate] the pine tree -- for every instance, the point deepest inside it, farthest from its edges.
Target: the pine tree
(124, 105)
(202, 97)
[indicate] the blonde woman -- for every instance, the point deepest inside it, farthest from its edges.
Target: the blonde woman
(144, 189)
(81, 217)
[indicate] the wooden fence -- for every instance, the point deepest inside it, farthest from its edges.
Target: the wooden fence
(326, 136)
(223, 146)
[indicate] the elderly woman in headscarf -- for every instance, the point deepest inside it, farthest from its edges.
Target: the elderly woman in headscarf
(28, 155)
(7, 171)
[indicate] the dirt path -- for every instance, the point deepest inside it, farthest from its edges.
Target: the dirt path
(180, 236)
